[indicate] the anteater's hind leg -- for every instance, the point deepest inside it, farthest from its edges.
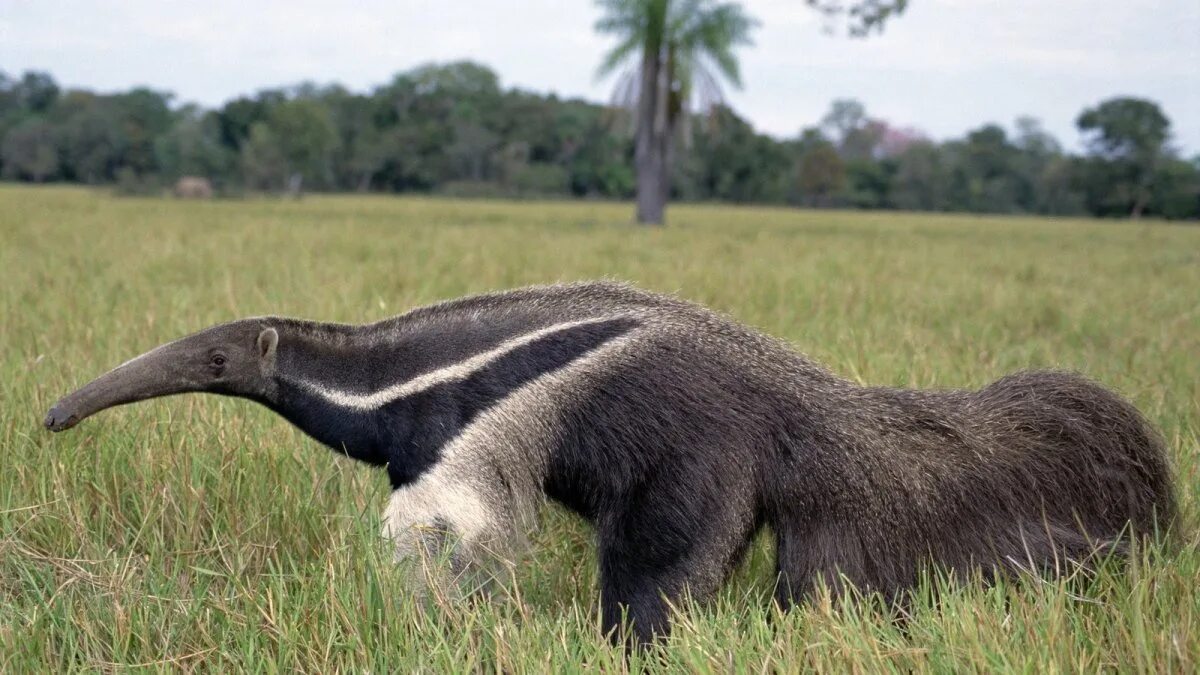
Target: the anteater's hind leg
(819, 553)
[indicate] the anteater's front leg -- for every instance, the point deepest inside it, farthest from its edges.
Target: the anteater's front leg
(454, 528)
(665, 541)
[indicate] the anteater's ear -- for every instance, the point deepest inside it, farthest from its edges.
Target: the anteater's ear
(267, 341)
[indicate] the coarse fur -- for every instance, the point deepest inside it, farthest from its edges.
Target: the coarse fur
(679, 434)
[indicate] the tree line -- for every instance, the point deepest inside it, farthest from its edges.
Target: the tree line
(452, 129)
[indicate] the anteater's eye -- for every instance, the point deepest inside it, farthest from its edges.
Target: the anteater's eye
(218, 360)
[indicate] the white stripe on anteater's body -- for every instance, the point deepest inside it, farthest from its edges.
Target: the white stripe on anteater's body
(452, 373)
(486, 489)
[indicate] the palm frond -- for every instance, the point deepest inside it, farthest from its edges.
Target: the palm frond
(717, 32)
(625, 92)
(695, 41)
(618, 56)
(709, 93)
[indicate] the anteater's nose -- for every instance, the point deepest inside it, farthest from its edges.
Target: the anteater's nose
(58, 419)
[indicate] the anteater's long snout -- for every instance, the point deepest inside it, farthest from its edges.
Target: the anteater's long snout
(106, 391)
(156, 373)
(60, 419)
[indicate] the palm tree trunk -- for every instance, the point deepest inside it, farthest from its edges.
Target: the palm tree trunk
(650, 161)
(668, 154)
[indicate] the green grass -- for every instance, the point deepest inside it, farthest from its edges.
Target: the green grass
(204, 533)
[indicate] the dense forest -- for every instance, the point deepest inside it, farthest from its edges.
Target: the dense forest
(452, 129)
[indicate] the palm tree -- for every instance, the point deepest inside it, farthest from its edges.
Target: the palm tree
(673, 52)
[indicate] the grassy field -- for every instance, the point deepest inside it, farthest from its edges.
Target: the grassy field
(204, 533)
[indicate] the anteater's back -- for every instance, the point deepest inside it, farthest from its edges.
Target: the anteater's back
(1030, 472)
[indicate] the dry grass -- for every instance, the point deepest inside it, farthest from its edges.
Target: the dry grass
(203, 533)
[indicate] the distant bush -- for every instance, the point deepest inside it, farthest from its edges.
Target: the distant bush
(540, 180)
(473, 189)
(130, 184)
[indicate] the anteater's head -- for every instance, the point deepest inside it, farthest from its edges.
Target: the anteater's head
(236, 359)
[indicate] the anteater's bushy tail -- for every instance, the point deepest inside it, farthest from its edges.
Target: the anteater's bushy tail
(1038, 471)
(1103, 467)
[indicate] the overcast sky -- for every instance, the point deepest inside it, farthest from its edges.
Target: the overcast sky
(946, 66)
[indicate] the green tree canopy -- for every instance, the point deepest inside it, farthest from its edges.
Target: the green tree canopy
(1126, 128)
(1131, 134)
